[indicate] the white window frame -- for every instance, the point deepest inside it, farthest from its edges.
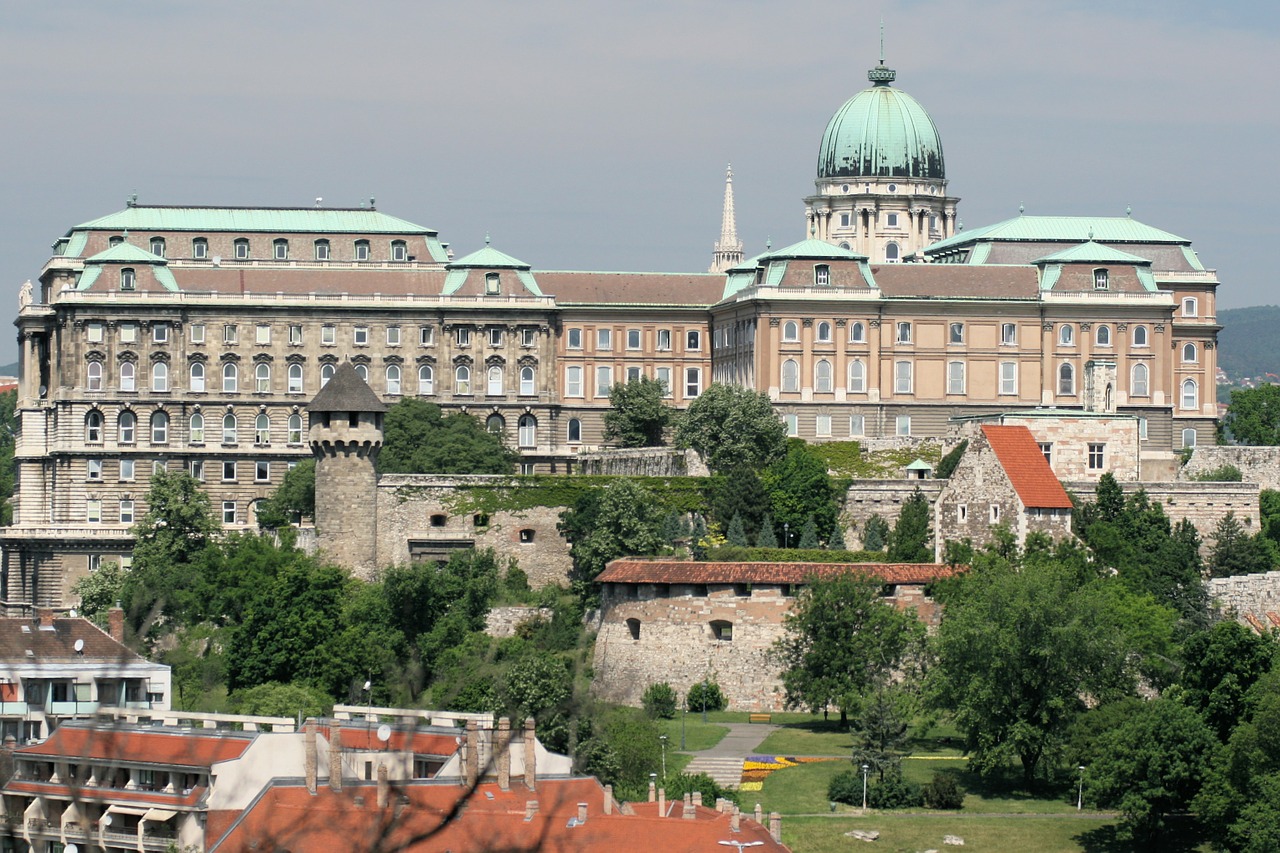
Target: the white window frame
(393, 375)
(604, 381)
(295, 379)
(262, 334)
(1008, 334)
(790, 332)
(857, 377)
(1008, 377)
(692, 382)
(903, 377)
(790, 376)
(955, 377)
(573, 381)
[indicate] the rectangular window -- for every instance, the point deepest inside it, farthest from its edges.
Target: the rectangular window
(1188, 438)
(199, 248)
(242, 250)
(1097, 456)
(93, 333)
(793, 424)
(1008, 377)
(295, 334)
(282, 250)
(902, 377)
(230, 334)
(956, 335)
(322, 250)
(126, 512)
(197, 333)
(692, 382)
(604, 339)
(844, 220)
(573, 381)
(93, 511)
(664, 339)
(822, 425)
(228, 471)
(962, 513)
(528, 337)
(160, 333)
(663, 375)
(93, 469)
(197, 469)
(362, 250)
(891, 220)
(1008, 334)
(328, 335)
(904, 333)
(955, 377)
(128, 333)
(633, 374)
(528, 469)
(126, 470)
(495, 337)
(1142, 429)
(1046, 447)
(575, 339)
(462, 336)
(360, 336)
(693, 340)
(857, 425)
(426, 336)
(604, 381)
(262, 334)
(633, 339)
(262, 472)
(902, 425)
(158, 466)
(228, 512)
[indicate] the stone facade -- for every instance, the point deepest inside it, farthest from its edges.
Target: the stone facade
(1083, 445)
(1246, 596)
(883, 498)
(1259, 465)
(503, 621)
(1204, 504)
(643, 462)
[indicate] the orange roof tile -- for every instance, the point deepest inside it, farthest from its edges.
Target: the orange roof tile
(630, 570)
(365, 737)
(1024, 462)
(171, 748)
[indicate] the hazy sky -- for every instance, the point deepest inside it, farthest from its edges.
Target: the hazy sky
(594, 135)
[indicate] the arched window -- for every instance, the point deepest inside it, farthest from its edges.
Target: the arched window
(200, 248)
(1189, 307)
(575, 429)
(295, 429)
(126, 427)
(159, 427)
(857, 333)
(93, 427)
(1141, 385)
(857, 377)
(195, 432)
(824, 332)
(1190, 394)
(128, 279)
(1140, 336)
(462, 379)
(528, 436)
(393, 379)
(399, 250)
(242, 249)
(1103, 336)
(281, 248)
(262, 429)
(1066, 335)
(1100, 280)
(891, 253)
(295, 379)
(790, 331)
(159, 376)
(790, 375)
(495, 423)
(526, 381)
(197, 377)
(128, 374)
(157, 246)
(426, 380)
(262, 378)
(326, 373)
(822, 376)
(362, 370)
(1066, 379)
(228, 428)
(362, 250)
(322, 250)
(95, 376)
(230, 378)
(494, 384)
(1189, 352)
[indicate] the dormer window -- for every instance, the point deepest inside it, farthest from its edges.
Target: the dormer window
(115, 241)
(399, 250)
(242, 249)
(491, 286)
(362, 250)
(281, 249)
(1100, 280)
(157, 246)
(200, 248)
(822, 275)
(128, 279)
(322, 250)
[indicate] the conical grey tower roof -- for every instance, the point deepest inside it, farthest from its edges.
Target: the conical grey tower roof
(346, 392)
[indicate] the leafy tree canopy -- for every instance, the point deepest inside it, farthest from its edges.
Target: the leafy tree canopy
(737, 492)
(99, 591)
(419, 439)
(730, 425)
(1234, 552)
(909, 541)
(638, 415)
(293, 499)
(1254, 415)
(801, 492)
(623, 519)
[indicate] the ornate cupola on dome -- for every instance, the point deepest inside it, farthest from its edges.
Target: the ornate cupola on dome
(881, 181)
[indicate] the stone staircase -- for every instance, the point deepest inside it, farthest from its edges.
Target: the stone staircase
(727, 771)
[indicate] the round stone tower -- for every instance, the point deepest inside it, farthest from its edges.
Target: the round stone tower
(345, 431)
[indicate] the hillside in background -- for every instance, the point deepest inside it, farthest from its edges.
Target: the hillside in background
(9, 369)
(1249, 343)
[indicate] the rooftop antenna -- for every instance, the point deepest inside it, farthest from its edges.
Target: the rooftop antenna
(882, 39)
(318, 200)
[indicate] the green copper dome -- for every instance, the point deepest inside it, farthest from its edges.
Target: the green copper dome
(881, 132)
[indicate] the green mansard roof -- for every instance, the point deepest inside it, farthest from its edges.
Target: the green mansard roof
(280, 220)
(1061, 229)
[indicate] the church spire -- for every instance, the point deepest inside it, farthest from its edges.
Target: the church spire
(728, 251)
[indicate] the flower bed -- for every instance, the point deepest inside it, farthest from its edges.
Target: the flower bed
(756, 768)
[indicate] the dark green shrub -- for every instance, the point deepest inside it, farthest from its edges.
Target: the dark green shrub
(686, 783)
(1221, 474)
(659, 700)
(894, 793)
(948, 464)
(705, 694)
(942, 792)
(846, 787)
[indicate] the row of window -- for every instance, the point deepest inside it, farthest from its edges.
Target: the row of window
(398, 249)
(360, 335)
(573, 380)
(197, 433)
(904, 334)
(634, 339)
(720, 629)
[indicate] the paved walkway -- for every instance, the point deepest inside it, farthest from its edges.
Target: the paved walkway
(723, 762)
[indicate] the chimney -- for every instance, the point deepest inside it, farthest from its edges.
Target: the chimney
(582, 813)
(697, 798)
(608, 799)
(309, 755)
(759, 815)
(735, 820)
(662, 802)
(44, 616)
(653, 791)
(503, 749)
(689, 813)
(473, 755)
(775, 826)
(530, 809)
(115, 623)
(335, 757)
(530, 756)
(383, 786)
(720, 803)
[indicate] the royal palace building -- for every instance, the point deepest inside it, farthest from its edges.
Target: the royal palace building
(193, 338)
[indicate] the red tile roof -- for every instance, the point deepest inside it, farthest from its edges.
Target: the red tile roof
(957, 281)
(677, 571)
(1024, 462)
(59, 644)
(288, 817)
(402, 740)
(693, 289)
(171, 748)
(87, 793)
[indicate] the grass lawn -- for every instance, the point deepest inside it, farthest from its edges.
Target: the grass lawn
(809, 734)
(908, 833)
(698, 735)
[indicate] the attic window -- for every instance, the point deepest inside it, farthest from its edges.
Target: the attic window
(157, 246)
(399, 250)
(281, 249)
(822, 275)
(491, 286)
(362, 250)
(128, 279)
(1100, 280)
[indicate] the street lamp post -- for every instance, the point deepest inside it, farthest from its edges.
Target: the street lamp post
(704, 700)
(663, 739)
(786, 534)
(741, 845)
(1080, 796)
(865, 768)
(684, 715)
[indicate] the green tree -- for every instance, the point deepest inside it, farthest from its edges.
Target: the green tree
(737, 492)
(624, 519)
(1219, 666)
(841, 640)
(836, 540)
(909, 542)
(736, 534)
(875, 533)
(947, 465)
(729, 425)
(281, 700)
(767, 538)
(1151, 765)
(800, 491)
(809, 534)
(1254, 415)
(880, 721)
(1235, 552)
(419, 439)
(292, 500)
(99, 591)
(638, 415)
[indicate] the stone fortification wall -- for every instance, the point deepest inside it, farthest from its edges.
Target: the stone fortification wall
(420, 516)
(884, 498)
(1204, 504)
(644, 462)
(503, 621)
(1259, 465)
(1253, 595)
